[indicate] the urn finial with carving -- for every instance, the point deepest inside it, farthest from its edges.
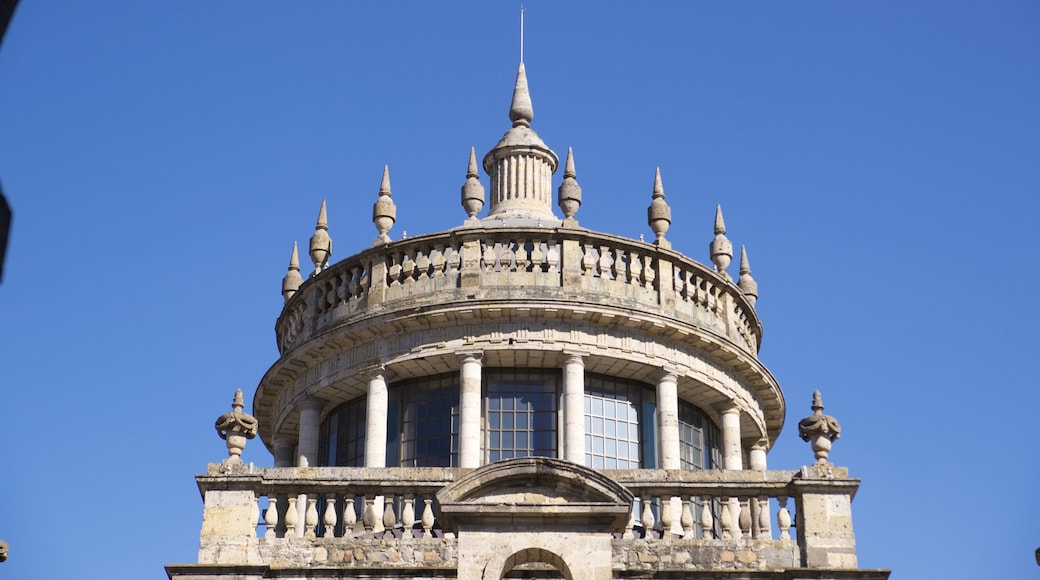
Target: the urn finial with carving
(819, 429)
(235, 428)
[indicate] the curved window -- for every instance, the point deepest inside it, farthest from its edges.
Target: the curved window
(520, 414)
(698, 439)
(343, 435)
(619, 424)
(427, 411)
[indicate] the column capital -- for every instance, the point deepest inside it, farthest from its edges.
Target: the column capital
(665, 373)
(376, 371)
(728, 408)
(311, 403)
(477, 355)
(760, 444)
(573, 357)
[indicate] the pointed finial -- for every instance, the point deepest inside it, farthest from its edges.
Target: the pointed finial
(821, 429)
(384, 212)
(292, 281)
(235, 427)
(568, 195)
(472, 191)
(321, 243)
(521, 112)
(746, 283)
(721, 248)
(659, 215)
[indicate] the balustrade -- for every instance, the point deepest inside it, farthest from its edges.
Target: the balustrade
(535, 257)
(345, 515)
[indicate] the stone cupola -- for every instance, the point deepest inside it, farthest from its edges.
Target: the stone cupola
(521, 167)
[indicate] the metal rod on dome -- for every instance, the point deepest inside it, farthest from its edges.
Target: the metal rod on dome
(521, 33)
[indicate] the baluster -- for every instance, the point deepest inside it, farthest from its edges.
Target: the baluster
(650, 272)
(408, 518)
(587, 261)
(310, 519)
(726, 519)
(698, 291)
(329, 517)
(427, 519)
(393, 272)
(756, 515)
(635, 269)
(353, 282)
(505, 257)
(666, 516)
(604, 262)
(488, 258)
(271, 517)
(686, 520)
(783, 519)
(537, 257)
(521, 256)
(254, 518)
(389, 517)
(552, 257)
(707, 520)
(349, 516)
(744, 519)
(292, 516)
(454, 258)
(648, 518)
(408, 266)
(438, 261)
(422, 262)
(368, 518)
(763, 518)
(629, 534)
(620, 257)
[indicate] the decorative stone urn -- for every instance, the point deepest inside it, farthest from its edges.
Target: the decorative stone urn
(235, 428)
(819, 429)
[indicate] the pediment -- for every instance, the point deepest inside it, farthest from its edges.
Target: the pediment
(535, 488)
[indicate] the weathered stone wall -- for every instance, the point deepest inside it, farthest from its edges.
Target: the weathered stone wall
(366, 553)
(718, 555)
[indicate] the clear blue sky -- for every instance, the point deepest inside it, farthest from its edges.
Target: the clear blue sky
(881, 162)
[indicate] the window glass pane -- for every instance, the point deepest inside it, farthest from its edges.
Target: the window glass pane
(520, 413)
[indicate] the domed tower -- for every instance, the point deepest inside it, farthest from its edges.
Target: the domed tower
(523, 396)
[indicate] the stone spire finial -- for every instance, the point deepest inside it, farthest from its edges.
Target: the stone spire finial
(521, 111)
(568, 195)
(520, 167)
(291, 282)
(721, 248)
(384, 212)
(819, 428)
(659, 215)
(235, 427)
(472, 191)
(746, 283)
(321, 243)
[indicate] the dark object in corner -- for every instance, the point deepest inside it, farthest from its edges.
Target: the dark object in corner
(5, 228)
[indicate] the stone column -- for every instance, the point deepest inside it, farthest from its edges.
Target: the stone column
(668, 435)
(757, 455)
(307, 450)
(668, 419)
(375, 421)
(375, 433)
(469, 410)
(283, 451)
(731, 455)
(574, 408)
(310, 427)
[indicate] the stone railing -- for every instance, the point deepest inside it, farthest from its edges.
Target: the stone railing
(562, 265)
(748, 512)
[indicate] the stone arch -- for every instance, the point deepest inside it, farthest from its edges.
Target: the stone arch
(498, 567)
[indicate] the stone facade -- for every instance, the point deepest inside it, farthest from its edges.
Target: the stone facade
(656, 419)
